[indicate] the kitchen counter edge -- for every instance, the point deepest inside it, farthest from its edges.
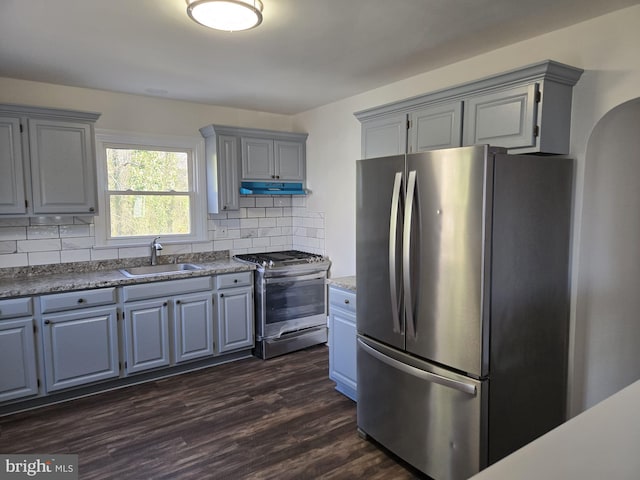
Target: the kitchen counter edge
(67, 282)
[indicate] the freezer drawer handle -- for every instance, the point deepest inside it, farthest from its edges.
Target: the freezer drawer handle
(416, 372)
(393, 232)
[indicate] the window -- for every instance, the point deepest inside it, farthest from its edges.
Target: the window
(150, 188)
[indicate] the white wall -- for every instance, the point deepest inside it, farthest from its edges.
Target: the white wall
(605, 47)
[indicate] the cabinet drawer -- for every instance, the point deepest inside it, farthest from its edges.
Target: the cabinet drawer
(233, 280)
(342, 299)
(165, 289)
(18, 307)
(81, 299)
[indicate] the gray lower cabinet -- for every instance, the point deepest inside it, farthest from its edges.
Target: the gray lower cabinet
(193, 331)
(166, 323)
(18, 374)
(342, 341)
(146, 335)
(235, 312)
(52, 153)
(80, 347)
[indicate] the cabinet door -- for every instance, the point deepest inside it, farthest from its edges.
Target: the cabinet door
(289, 160)
(12, 195)
(80, 347)
(146, 332)
(18, 376)
(257, 159)
(342, 341)
(193, 335)
(62, 167)
(228, 183)
(506, 118)
(435, 127)
(384, 136)
(235, 319)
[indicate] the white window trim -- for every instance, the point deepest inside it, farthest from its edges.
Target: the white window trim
(195, 144)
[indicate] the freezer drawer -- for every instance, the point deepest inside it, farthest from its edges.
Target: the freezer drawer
(430, 417)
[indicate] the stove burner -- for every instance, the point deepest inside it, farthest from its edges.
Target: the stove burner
(283, 258)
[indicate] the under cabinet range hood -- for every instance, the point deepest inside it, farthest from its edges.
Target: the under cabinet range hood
(271, 188)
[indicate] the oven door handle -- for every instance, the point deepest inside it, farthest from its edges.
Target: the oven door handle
(295, 278)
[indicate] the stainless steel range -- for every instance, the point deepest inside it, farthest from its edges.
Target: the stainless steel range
(290, 300)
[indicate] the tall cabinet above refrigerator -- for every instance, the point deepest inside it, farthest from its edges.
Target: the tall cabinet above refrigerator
(462, 260)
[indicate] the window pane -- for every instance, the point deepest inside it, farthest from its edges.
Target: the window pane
(147, 170)
(137, 215)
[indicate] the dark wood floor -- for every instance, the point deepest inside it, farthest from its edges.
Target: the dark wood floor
(251, 419)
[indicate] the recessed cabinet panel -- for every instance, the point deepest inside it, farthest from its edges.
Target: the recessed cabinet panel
(342, 341)
(193, 336)
(12, 195)
(62, 167)
(503, 119)
(147, 335)
(288, 164)
(384, 136)
(18, 376)
(257, 158)
(228, 173)
(80, 347)
(436, 127)
(235, 319)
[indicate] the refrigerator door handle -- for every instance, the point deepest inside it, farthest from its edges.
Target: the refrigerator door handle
(393, 248)
(406, 253)
(418, 373)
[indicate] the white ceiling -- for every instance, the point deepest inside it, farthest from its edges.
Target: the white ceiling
(305, 54)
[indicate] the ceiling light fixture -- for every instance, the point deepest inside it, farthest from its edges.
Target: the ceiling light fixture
(228, 15)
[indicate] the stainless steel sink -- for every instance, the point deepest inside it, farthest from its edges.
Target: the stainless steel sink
(149, 270)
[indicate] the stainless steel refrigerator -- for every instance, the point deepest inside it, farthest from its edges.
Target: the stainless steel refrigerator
(462, 261)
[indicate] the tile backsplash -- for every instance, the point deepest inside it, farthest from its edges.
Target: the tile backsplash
(261, 224)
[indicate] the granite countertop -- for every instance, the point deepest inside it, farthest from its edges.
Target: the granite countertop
(17, 282)
(348, 283)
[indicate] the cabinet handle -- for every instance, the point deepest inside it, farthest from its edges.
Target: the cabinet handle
(346, 300)
(235, 280)
(47, 322)
(91, 209)
(277, 176)
(177, 302)
(81, 300)
(224, 208)
(221, 295)
(165, 304)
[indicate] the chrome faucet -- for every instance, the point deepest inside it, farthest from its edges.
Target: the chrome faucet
(155, 248)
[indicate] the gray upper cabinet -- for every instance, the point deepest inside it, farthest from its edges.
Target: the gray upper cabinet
(289, 160)
(527, 110)
(49, 156)
(437, 126)
(234, 154)
(507, 118)
(273, 159)
(12, 194)
(222, 161)
(384, 136)
(62, 167)
(257, 159)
